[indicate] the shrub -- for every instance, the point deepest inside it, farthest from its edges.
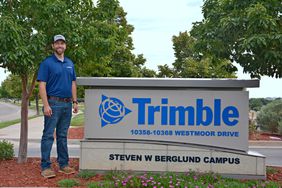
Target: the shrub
(280, 127)
(252, 128)
(104, 184)
(6, 150)
(270, 116)
(271, 170)
(86, 174)
(68, 183)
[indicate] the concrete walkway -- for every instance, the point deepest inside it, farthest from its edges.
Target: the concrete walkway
(35, 128)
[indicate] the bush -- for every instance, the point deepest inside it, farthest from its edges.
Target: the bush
(252, 128)
(280, 127)
(270, 116)
(104, 184)
(68, 183)
(86, 174)
(6, 150)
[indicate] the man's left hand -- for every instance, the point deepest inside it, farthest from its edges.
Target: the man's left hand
(75, 108)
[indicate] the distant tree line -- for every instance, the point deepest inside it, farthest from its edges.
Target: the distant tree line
(257, 103)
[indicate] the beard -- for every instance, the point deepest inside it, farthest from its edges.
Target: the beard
(59, 51)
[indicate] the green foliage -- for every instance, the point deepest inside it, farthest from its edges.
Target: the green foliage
(86, 174)
(98, 38)
(190, 63)
(78, 120)
(68, 183)
(12, 122)
(104, 184)
(109, 44)
(247, 32)
(270, 116)
(271, 170)
(257, 103)
(189, 179)
(280, 127)
(252, 128)
(12, 87)
(6, 150)
(165, 71)
(98, 41)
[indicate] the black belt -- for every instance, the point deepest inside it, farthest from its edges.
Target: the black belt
(60, 99)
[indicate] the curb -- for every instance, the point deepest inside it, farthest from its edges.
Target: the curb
(265, 143)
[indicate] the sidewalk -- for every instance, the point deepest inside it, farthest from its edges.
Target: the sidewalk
(35, 128)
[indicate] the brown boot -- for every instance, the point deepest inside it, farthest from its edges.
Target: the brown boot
(48, 173)
(67, 170)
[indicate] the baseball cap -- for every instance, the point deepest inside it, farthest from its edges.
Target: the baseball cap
(59, 37)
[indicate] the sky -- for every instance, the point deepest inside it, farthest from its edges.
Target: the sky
(156, 21)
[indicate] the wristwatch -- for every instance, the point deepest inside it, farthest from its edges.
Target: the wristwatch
(75, 102)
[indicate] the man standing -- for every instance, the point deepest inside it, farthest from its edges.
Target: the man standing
(57, 88)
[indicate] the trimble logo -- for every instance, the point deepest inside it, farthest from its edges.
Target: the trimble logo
(112, 111)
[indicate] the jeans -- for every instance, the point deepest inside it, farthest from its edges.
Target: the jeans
(60, 120)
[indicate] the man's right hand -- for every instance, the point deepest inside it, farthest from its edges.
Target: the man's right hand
(47, 111)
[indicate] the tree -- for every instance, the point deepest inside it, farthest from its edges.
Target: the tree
(195, 64)
(95, 38)
(189, 63)
(164, 71)
(11, 86)
(246, 32)
(139, 68)
(270, 117)
(26, 29)
(113, 53)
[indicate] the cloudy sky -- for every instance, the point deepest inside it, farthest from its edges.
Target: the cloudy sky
(156, 21)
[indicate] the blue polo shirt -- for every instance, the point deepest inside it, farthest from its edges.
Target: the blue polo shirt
(58, 76)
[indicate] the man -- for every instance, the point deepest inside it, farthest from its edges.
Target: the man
(57, 88)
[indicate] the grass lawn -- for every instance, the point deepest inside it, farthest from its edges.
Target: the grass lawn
(12, 122)
(78, 120)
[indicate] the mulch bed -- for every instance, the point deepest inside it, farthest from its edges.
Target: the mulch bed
(28, 174)
(265, 137)
(76, 133)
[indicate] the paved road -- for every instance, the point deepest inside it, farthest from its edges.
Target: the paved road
(10, 111)
(273, 154)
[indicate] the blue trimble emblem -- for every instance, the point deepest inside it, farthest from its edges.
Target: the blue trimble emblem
(112, 110)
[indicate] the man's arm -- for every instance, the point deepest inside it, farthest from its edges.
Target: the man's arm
(74, 97)
(43, 95)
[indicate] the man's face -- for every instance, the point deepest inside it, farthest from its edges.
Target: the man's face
(59, 47)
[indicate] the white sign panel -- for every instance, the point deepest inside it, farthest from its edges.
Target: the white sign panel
(201, 117)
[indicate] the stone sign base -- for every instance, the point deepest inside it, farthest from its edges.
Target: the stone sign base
(158, 157)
